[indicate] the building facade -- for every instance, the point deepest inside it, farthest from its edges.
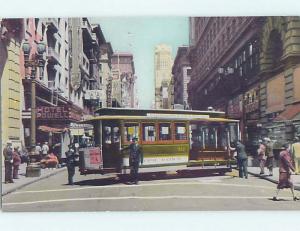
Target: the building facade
(123, 80)
(181, 74)
(247, 67)
(11, 35)
(224, 56)
(280, 78)
(163, 73)
(106, 52)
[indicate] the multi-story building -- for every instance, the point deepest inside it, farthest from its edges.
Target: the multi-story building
(163, 72)
(11, 35)
(54, 109)
(123, 80)
(181, 74)
(248, 67)
(106, 52)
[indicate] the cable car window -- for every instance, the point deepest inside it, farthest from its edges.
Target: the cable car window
(131, 130)
(107, 135)
(180, 131)
(116, 134)
(165, 131)
(149, 133)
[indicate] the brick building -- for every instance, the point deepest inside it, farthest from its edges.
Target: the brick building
(247, 67)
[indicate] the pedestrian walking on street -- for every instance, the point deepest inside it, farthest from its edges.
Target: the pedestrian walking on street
(285, 168)
(135, 158)
(295, 150)
(242, 159)
(8, 162)
(16, 162)
(70, 159)
(261, 156)
(38, 150)
(269, 155)
(45, 149)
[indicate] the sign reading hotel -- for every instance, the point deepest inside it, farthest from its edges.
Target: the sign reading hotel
(52, 113)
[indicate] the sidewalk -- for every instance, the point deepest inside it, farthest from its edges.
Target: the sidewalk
(256, 170)
(23, 180)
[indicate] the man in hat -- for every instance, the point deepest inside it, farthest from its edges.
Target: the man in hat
(285, 168)
(71, 159)
(135, 158)
(8, 162)
(295, 150)
(242, 159)
(269, 155)
(45, 149)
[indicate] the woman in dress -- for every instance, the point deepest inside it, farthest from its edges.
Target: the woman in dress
(285, 168)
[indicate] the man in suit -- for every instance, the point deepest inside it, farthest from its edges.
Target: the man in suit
(135, 158)
(8, 162)
(242, 159)
(71, 159)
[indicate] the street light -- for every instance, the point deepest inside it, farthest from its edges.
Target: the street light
(37, 61)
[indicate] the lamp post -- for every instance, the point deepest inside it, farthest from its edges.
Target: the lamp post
(35, 63)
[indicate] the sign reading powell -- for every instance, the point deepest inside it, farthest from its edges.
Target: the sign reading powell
(52, 113)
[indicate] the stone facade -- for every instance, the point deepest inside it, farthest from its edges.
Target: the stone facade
(11, 35)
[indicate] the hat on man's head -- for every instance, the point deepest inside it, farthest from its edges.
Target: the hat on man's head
(267, 139)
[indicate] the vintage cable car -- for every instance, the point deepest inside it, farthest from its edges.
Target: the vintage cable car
(170, 140)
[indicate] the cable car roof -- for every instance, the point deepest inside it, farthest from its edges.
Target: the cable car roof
(160, 117)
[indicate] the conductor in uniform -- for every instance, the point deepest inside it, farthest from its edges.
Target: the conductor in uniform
(71, 159)
(135, 158)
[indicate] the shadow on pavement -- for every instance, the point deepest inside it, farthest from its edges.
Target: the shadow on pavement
(125, 178)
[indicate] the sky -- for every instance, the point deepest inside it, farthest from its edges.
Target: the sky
(140, 35)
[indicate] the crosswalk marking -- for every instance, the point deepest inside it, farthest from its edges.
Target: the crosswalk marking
(139, 198)
(145, 185)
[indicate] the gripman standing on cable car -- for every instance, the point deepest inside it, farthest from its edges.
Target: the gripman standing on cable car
(135, 158)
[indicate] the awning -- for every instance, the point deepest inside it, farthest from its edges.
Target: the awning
(51, 129)
(289, 113)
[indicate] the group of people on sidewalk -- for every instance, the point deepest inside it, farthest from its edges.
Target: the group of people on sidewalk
(12, 161)
(288, 160)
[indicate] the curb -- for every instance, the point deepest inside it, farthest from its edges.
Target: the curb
(270, 179)
(32, 181)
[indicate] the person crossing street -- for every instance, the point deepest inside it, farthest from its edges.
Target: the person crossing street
(285, 170)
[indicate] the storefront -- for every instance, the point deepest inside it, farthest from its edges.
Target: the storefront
(54, 113)
(252, 116)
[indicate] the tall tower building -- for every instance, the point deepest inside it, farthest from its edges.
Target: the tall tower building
(163, 73)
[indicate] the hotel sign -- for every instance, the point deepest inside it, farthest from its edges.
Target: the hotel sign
(56, 113)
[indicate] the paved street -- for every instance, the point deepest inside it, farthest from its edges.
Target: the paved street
(98, 193)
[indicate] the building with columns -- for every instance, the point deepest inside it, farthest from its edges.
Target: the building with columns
(163, 73)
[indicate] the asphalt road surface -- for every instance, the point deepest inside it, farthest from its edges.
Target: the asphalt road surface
(157, 193)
